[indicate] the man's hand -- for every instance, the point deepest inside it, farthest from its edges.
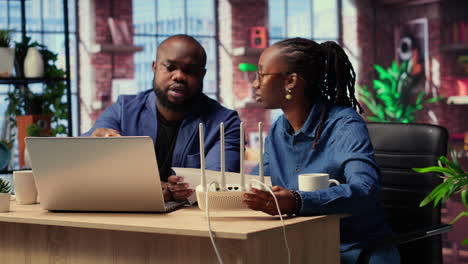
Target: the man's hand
(166, 192)
(179, 189)
(263, 201)
(105, 132)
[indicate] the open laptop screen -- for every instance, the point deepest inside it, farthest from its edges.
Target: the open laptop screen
(96, 174)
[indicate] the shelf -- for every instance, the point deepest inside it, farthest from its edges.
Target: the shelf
(246, 51)
(407, 2)
(455, 47)
(111, 48)
(458, 100)
(21, 80)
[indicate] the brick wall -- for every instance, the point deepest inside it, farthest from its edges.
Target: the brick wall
(376, 34)
(109, 66)
(105, 66)
(235, 19)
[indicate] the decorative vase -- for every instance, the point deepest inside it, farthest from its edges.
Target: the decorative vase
(4, 202)
(33, 64)
(22, 123)
(7, 57)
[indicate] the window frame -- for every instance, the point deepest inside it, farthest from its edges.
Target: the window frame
(215, 37)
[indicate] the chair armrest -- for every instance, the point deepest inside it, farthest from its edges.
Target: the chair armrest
(400, 239)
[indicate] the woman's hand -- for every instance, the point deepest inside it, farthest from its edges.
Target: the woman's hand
(263, 201)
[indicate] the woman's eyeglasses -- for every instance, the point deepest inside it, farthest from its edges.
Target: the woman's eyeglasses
(259, 75)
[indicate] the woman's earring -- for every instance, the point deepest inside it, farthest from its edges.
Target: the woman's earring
(288, 95)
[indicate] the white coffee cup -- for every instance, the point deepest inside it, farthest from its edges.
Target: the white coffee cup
(309, 182)
(25, 187)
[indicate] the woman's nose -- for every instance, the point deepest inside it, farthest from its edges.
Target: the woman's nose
(256, 84)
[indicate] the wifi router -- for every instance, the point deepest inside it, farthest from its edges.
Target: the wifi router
(221, 196)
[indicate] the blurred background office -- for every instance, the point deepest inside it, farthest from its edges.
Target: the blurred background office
(410, 57)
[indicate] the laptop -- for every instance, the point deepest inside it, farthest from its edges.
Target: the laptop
(116, 174)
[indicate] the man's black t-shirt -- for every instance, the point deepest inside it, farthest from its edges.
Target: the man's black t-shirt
(165, 143)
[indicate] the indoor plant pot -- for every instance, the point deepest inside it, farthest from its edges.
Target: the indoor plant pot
(37, 113)
(24, 124)
(4, 196)
(7, 54)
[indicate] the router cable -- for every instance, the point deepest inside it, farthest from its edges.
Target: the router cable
(207, 213)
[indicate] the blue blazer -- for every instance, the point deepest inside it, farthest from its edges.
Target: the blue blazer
(135, 115)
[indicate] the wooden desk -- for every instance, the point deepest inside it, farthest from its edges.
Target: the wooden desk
(29, 234)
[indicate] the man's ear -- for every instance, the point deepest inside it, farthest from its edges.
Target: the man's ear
(154, 66)
(203, 74)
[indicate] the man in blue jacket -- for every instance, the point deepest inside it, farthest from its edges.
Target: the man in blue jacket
(170, 114)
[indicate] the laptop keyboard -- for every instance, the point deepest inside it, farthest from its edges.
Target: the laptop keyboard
(172, 205)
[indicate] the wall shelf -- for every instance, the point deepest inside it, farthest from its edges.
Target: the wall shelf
(407, 2)
(21, 80)
(458, 100)
(111, 48)
(455, 48)
(246, 51)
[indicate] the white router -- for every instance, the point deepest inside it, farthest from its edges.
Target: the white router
(222, 196)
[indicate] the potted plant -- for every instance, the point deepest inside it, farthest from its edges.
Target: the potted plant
(43, 113)
(7, 54)
(5, 154)
(4, 196)
(455, 182)
(392, 99)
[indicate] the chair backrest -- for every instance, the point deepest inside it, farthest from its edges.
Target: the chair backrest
(398, 148)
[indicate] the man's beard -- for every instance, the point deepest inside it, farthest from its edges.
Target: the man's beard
(161, 96)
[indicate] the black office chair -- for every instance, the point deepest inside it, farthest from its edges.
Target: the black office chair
(398, 148)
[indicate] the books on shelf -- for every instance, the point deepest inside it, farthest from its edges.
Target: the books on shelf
(119, 32)
(458, 33)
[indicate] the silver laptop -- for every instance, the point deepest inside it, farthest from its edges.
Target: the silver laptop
(97, 174)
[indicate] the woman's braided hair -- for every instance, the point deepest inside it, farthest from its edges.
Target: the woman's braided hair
(327, 71)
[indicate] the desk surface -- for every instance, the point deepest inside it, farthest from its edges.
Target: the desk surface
(189, 221)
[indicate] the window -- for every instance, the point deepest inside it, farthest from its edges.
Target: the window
(312, 19)
(44, 24)
(156, 20)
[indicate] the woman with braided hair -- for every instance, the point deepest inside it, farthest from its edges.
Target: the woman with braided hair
(319, 132)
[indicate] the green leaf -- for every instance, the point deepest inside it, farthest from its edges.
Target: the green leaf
(433, 194)
(464, 242)
(375, 119)
(382, 72)
(458, 217)
(445, 171)
(450, 164)
(433, 99)
(379, 85)
(463, 198)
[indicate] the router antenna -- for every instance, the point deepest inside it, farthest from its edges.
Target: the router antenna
(223, 176)
(242, 180)
(202, 156)
(260, 138)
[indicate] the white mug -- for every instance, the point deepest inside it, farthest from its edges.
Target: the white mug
(309, 182)
(25, 187)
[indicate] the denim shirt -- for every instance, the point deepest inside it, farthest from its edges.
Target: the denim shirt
(135, 115)
(345, 152)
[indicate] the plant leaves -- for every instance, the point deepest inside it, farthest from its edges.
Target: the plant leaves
(445, 171)
(454, 166)
(458, 217)
(464, 242)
